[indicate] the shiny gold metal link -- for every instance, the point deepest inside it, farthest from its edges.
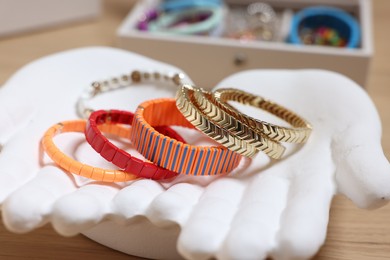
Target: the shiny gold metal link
(222, 127)
(299, 134)
(237, 127)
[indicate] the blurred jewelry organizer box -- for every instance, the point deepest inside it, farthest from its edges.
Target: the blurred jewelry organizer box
(209, 59)
(19, 16)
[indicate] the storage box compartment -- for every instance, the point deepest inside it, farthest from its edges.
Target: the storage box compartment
(208, 60)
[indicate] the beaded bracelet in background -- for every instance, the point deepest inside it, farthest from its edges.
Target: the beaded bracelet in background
(178, 5)
(194, 21)
(186, 17)
(119, 157)
(172, 154)
(126, 80)
(73, 166)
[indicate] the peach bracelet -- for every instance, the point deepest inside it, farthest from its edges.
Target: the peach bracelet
(170, 153)
(76, 167)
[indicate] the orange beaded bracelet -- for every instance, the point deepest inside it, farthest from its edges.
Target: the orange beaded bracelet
(170, 153)
(79, 168)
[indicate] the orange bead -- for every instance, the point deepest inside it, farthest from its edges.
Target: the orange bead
(75, 167)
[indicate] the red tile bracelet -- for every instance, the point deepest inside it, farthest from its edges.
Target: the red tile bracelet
(119, 157)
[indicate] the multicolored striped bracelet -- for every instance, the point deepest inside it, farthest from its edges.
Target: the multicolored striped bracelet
(119, 157)
(170, 153)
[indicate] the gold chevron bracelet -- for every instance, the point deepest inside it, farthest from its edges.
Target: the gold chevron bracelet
(299, 134)
(227, 131)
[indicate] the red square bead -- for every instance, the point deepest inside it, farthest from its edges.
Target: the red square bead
(90, 134)
(125, 118)
(101, 118)
(121, 159)
(114, 115)
(98, 143)
(160, 174)
(148, 171)
(108, 151)
(134, 166)
(170, 175)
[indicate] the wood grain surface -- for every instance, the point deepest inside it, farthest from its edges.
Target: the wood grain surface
(352, 234)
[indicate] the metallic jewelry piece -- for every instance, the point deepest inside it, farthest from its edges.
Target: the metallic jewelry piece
(220, 126)
(126, 80)
(258, 21)
(263, 12)
(262, 20)
(299, 134)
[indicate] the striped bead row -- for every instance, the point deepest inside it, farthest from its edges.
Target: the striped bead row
(170, 153)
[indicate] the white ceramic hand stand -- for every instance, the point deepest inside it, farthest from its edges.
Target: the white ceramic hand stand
(279, 209)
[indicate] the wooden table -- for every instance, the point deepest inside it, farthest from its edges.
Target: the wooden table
(352, 233)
